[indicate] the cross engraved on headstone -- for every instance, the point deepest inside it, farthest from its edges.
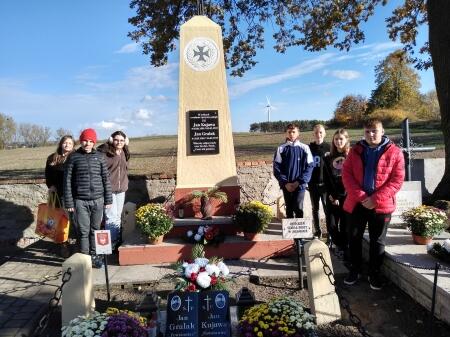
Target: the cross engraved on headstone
(201, 53)
(207, 300)
(189, 308)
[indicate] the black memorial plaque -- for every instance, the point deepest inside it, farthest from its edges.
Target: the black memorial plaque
(182, 314)
(214, 317)
(204, 131)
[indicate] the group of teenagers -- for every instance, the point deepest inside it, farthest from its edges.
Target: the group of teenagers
(90, 184)
(356, 186)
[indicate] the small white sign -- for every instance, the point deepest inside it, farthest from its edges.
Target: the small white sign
(409, 196)
(299, 228)
(103, 242)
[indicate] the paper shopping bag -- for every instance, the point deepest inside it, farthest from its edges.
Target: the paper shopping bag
(52, 222)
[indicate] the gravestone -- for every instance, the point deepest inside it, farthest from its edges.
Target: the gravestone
(205, 155)
(409, 196)
(192, 314)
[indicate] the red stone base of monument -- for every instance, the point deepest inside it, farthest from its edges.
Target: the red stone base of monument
(234, 247)
(192, 209)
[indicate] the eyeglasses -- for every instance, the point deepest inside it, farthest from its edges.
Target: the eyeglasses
(119, 140)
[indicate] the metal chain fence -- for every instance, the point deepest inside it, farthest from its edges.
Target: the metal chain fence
(52, 305)
(356, 321)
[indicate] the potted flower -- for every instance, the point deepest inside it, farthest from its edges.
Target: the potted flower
(205, 200)
(252, 218)
(425, 222)
(445, 206)
(279, 317)
(201, 273)
(154, 222)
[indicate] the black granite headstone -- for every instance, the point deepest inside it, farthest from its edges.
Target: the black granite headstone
(204, 132)
(214, 314)
(182, 314)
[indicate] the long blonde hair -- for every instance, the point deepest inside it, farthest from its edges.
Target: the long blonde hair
(342, 132)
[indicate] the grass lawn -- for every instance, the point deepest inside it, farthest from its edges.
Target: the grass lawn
(158, 154)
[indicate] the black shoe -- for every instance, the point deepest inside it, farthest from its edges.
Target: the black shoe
(352, 278)
(375, 282)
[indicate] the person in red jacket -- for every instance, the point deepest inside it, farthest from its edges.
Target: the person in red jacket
(372, 174)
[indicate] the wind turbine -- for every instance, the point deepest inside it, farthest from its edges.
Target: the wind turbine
(269, 109)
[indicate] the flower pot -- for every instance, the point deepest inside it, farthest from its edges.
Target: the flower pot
(251, 236)
(156, 241)
(421, 240)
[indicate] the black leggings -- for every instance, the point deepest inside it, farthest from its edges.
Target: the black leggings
(317, 194)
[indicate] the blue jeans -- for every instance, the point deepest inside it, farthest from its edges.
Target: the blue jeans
(88, 218)
(113, 216)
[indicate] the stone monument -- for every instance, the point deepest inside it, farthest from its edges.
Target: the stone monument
(205, 141)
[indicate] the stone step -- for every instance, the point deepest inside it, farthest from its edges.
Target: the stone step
(136, 251)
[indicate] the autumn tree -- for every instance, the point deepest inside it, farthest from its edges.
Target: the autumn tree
(311, 24)
(397, 84)
(7, 130)
(430, 106)
(350, 110)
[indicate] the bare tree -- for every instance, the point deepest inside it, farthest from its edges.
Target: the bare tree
(34, 135)
(61, 132)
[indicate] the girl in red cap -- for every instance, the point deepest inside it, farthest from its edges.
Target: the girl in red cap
(87, 191)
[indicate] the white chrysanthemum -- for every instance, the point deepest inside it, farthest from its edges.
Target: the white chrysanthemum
(446, 245)
(203, 279)
(185, 264)
(191, 268)
(223, 268)
(212, 269)
(189, 234)
(201, 261)
(201, 230)
(197, 237)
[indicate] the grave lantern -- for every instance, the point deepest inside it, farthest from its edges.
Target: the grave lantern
(244, 300)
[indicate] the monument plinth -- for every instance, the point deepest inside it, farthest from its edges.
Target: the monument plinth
(205, 141)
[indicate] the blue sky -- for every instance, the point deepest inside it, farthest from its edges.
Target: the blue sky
(70, 64)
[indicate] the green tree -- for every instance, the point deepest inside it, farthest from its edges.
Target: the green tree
(312, 24)
(397, 84)
(7, 130)
(350, 110)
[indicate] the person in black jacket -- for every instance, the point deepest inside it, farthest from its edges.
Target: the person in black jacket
(54, 167)
(87, 191)
(336, 218)
(54, 177)
(316, 186)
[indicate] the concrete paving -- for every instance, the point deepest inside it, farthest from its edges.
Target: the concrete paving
(29, 280)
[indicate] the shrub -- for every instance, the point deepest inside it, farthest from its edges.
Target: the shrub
(153, 220)
(253, 217)
(389, 117)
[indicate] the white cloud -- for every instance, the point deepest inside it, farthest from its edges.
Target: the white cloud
(344, 74)
(303, 68)
(142, 114)
(108, 125)
(128, 48)
(157, 98)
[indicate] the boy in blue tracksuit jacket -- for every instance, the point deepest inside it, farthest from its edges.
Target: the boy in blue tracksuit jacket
(292, 166)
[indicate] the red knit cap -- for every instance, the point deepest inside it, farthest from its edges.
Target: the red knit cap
(88, 134)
